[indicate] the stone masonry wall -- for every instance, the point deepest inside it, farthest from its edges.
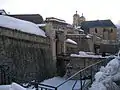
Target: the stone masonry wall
(28, 56)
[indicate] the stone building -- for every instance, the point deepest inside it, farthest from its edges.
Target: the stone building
(61, 46)
(104, 34)
(25, 51)
(57, 30)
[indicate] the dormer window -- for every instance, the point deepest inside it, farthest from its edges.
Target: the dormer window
(95, 30)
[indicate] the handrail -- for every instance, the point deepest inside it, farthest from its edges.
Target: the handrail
(81, 78)
(47, 86)
(78, 73)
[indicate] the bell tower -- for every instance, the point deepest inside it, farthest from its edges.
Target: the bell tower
(82, 19)
(76, 19)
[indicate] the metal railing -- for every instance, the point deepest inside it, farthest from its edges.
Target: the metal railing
(85, 77)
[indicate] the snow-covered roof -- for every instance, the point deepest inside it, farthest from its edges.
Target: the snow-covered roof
(86, 56)
(21, 25)
(71, 41)
(81, 30)
(55, 19)
(78, 27)
(2, 12)
(41, 25)
(82, 53)
(88, 37)
(98, 37)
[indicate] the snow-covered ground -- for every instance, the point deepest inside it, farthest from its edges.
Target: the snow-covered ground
(67, 86)
(21, 25)
(13, 86)
(52, 82)
(107, 76)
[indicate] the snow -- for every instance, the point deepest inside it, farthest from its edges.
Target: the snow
(78, 27)
(81, 30)
(3, 12)
(13, 86)
(82, 53)
(57, 20)
(98, 37)
(24, 26)
(88, 37)
(5, 87)
(69, 26)
(71, 41)
(90, 53)
(106, 77)
(41, 25)
(86, 55)
(55, 81)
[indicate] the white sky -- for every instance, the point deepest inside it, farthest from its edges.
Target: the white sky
(64, 9)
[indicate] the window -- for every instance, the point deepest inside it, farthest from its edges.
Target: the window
(111, 30)
(104, 30)
(95, 30)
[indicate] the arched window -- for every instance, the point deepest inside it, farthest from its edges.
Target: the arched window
(111, 30)
(104, 30)
(95, 30)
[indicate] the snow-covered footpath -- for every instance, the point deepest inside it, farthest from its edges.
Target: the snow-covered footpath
(107, 76)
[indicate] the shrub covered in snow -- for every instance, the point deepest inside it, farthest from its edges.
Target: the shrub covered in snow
(106, 77)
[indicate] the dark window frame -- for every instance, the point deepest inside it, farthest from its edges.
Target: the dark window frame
(111, 30)
(104, 29)
(95, 30)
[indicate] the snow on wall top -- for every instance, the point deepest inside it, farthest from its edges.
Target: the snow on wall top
(21, 25)
(83, 54)
(71, 41)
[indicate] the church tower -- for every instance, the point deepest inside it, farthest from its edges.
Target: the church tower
(76, 19)
(81, 19)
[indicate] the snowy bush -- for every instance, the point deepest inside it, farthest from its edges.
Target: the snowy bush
(106, 77)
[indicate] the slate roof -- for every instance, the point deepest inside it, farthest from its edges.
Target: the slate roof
(35, 18)
(97, 23)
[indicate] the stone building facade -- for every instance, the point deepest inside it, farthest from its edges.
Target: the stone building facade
(28, 56)
(57, 30)
(103, 33)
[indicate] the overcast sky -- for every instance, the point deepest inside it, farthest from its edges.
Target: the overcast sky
(64, 9)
